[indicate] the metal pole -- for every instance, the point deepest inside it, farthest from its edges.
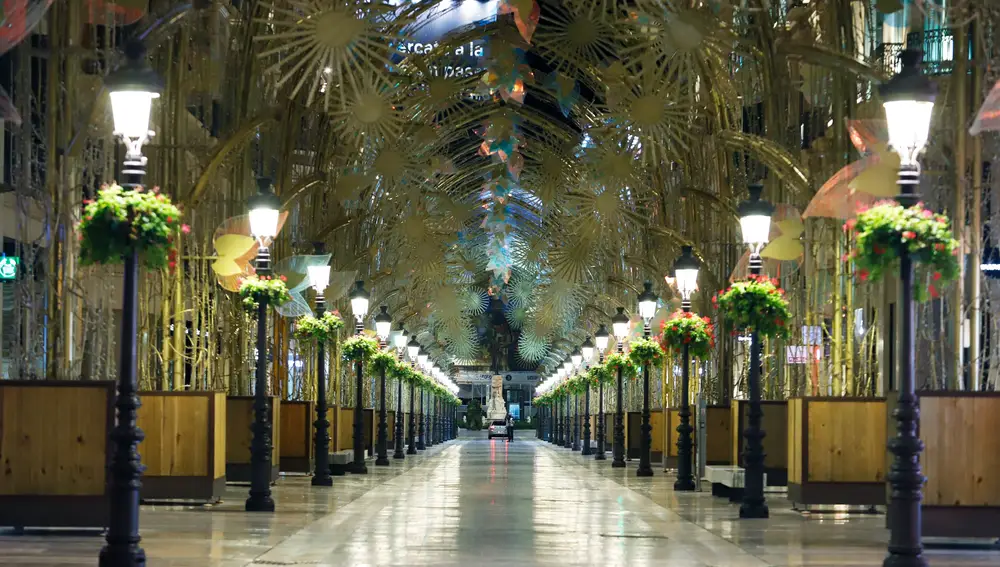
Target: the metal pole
(599, 455)
(122, 540)
(382, 460)
(645, 430)
(618, 449)
(399, 452)
(753, 505)
(321, 477)
(260, 446)
(576, 422)
(411, 435)
(420, 433)
(905, 478)
(685, 478)
(586, 423)
(358, 465)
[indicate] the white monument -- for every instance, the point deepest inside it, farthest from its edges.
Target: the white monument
(496, 407)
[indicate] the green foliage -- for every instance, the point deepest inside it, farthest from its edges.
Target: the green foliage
(755, 304)
(253, 289)
(577, 384)
(474, 416)
(120, 221)
(883, 232)
(404, 372)
(599, 374)
(382, 361)
(311, 330)
(358, 348)
(688, 329)
(619, 361)
(645, 351)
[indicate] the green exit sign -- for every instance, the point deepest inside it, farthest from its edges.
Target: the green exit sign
(8, 267)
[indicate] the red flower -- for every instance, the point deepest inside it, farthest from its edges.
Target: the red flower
(706, 319)
(170, 220)
(936, 276)
(939, 247)
(909, 235)
(185, 229)
(934, 291)
(863, 275)
(879, 250)
(850, 224)
(283, 278)
(172, 264)
(779, 322)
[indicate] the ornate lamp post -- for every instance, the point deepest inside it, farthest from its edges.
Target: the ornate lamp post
(601, 338)
(647, 308)
(686, 274)
(400, 343)
(568, 422)
(413, 350)
(359, 306)
(576, 359)
(755, 222)
(422, 361)
(264, 227)
(908, 100)
(619, 326)
(588, 354)
(133, 87)
(383, 325)
(319, 279)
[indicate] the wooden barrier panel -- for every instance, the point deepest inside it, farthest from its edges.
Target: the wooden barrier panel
(673, 420)
(775, 426)
(961, 460)
(836, 449)
(297, 446)
(55, 474)
(718, 431)
(239, 417)
(659, 425)
(185, 445)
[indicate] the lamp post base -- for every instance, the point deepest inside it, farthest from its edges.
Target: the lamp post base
(684, 485)
(600, 457)
(644, 471)
(129, 555)
(616, 464)
(263, 503)
(905, 561)
(322, 481)
(752, 511)
(359, 468)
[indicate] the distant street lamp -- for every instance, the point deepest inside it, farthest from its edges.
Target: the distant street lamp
(133, 86)
(601, 338)
(576, 359)
(359, 306)
(909, 101)
(422, 361)
(383, 326)
(588, 355)
(400, 343)
(264, 213)
(619, 326)
(647, 308)
(413, 350)
(686, 274)
(319, 279)
(755, 222)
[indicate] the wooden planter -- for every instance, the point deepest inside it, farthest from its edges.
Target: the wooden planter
(239, 417)
(55, 450)
(346, 429)
(836, 451)
(960, 460)
(718, 436)
(775, 426)
(298, 436)
(185, 447)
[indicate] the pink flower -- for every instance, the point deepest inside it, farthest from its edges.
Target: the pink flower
(185, 229)
(927, 214)
(936, 276)
(909, 234)
(863, 275)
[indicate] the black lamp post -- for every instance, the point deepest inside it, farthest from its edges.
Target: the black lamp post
(647, 308)
(755, 223)
(422, 360)
(686, 273)
(383, 324)
(601, 337)
(619, 325)
(908, 101)
(568, 422)
(576, 359)
(133, 87)
(359, 306)
(264, 227)
(588, 354)
(319, 279)
(399, 451)
(413, 349)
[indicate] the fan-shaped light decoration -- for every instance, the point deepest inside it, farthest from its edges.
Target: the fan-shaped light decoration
(19, 19)
(531, 348)
(235, 250)
(296, 271)
(368, 110)
(578, 36)
(988, 117)
(861, 183)
(784, 236)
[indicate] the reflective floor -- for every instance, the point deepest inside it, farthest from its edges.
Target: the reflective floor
(474, 502)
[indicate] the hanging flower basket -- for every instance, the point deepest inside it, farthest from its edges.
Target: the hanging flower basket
(619, 361)
(645, 351)
(883, 232)
(312, 330)
(359, 348)
(577, 385)
(382, 361)
(599, 374)
(403, 372)
(682, 328)
(120, 221)
(755, 304)
(273, 290)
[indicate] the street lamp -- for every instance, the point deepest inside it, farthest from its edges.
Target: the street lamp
(576, 359)
(133, 87)
(319, 279)
(601, 338)
(647, 308)
(588, 354)
(413, 349)
(567, 368)
(422, 361)
(264, 208)
(686, 275)
(359, 306)
(400, 343)
(908, 99)
(383, 325)
(619, 326)
(755, 222)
